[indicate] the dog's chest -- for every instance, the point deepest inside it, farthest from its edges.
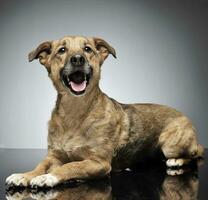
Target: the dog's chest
(74, 144)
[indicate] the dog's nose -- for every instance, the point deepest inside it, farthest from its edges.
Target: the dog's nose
(77, 60)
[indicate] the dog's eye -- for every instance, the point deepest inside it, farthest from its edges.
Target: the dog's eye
(62, 50)
(88, 49)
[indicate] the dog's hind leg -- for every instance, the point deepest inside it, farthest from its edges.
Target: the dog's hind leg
(178, 142)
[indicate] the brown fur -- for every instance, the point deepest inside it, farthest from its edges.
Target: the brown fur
(91, 135)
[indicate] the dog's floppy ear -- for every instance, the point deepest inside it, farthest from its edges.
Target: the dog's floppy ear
(42, 52)
(103, 48)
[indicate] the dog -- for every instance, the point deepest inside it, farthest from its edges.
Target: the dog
(90, 134)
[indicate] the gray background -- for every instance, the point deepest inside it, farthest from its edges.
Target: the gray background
(162, 50)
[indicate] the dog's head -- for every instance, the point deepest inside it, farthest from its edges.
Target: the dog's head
(73, 63)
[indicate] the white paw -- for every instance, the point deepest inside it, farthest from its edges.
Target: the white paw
(51, 194)
(174, 172)
(46, 180)
(17, 180)
(175, 162)
(12, 197)
(17, 195)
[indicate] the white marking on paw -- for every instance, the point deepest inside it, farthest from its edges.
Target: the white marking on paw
(47, 180)
(17, 180)
(174, 172)
(11, 197)
(175, 162)
(17, 195)
(51, 194)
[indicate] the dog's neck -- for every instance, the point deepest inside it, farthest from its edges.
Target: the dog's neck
(74, 109)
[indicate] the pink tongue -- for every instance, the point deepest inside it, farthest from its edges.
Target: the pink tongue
(78, 87)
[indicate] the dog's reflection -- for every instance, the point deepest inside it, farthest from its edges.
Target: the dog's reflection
(100, 190)
(180, 187)
(125, 185)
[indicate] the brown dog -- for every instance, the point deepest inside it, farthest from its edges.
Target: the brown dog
(91, 134)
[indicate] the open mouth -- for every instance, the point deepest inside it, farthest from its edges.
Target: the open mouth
(77, 81)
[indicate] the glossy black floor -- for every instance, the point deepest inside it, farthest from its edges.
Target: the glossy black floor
(145, 183)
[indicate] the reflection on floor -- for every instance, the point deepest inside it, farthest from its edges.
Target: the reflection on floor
(128, 185)
(146, 182)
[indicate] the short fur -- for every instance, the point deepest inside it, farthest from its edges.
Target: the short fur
(92, 134)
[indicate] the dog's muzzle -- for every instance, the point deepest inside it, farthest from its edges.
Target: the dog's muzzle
(76, 74)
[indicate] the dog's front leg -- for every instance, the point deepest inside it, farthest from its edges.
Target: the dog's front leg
(85, 169)
(23, 179)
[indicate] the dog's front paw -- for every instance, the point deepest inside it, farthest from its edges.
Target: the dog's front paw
(17, 180)
(46, 180)
(17, 195)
